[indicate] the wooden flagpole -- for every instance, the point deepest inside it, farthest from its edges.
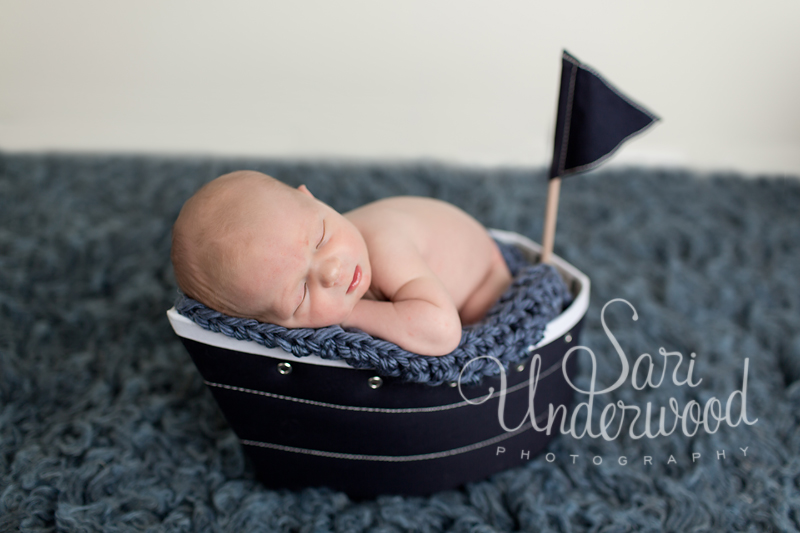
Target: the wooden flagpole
(550, 215)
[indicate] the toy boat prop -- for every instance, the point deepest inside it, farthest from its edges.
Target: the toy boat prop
(310, 421)
(314, 421)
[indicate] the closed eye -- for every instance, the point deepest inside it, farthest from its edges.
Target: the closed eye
(323, 234)
(305, 292)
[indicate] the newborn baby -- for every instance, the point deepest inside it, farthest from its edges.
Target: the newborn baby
(408, 270)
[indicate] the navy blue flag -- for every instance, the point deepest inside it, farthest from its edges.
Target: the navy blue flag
(593, 121)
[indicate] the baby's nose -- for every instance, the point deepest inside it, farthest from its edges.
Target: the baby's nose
(330, 271)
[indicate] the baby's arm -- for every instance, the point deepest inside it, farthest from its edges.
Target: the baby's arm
(420, 316)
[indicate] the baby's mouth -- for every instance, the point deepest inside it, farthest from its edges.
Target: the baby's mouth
(356, 280)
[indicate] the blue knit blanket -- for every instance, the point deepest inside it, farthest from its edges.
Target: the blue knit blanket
(518, 319)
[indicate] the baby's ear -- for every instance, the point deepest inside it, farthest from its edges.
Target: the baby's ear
(305, 190)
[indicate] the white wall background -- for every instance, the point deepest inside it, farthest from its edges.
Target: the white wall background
(471, 82)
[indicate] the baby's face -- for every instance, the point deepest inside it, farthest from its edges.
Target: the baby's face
(302, 263)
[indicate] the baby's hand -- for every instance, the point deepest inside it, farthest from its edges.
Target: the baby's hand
(421, 318)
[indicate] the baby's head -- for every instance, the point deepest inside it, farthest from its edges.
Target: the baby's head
(250, 246)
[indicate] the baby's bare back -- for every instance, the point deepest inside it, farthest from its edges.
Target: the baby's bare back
(455, 246)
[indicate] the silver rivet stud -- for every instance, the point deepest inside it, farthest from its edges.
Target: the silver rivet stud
(284, 368)
(453, 384)
(375, 382)
(530, 348)
(520, 367)
(568, 338)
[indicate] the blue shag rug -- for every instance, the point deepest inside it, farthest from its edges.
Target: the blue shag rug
(106, 426)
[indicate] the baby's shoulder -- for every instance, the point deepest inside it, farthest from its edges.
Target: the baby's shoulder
(411, 204)
(392, 225)
(398, 212)
(387, 217)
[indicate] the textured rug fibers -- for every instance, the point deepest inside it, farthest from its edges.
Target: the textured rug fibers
(105, 425)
